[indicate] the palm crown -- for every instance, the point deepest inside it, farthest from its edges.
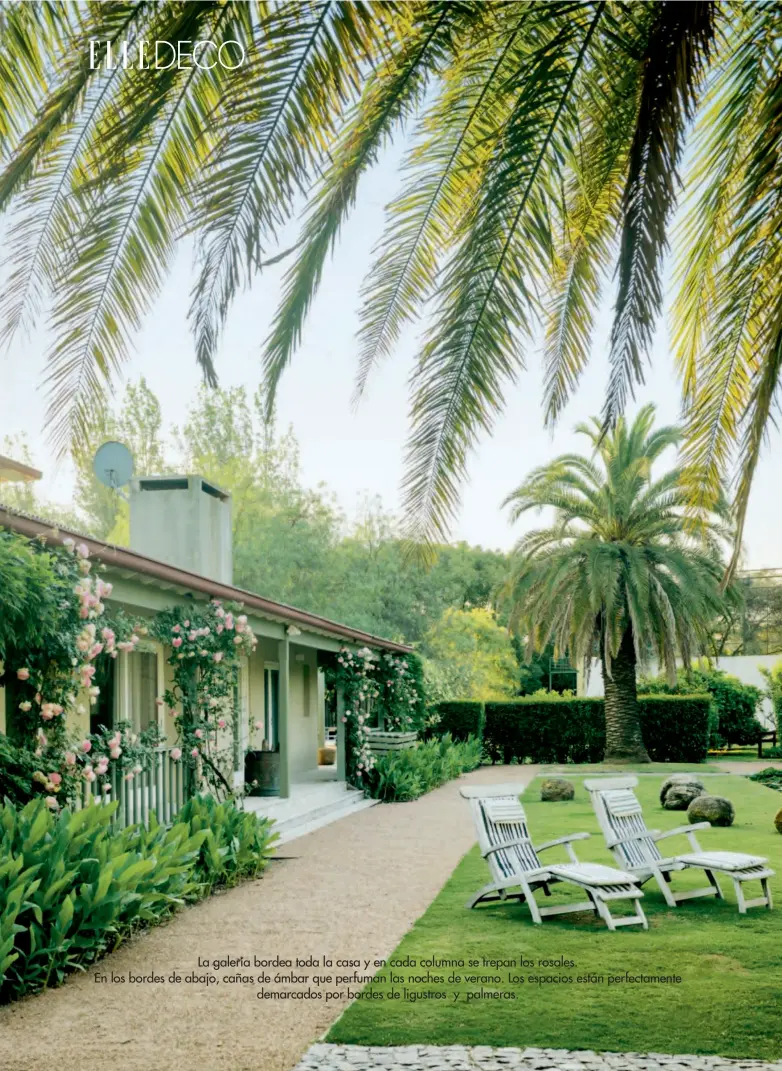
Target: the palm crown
(546, 139)
(618, 574)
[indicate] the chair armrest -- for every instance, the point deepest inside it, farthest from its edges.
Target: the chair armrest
(680, 830)
(505, 844)
(561, 840)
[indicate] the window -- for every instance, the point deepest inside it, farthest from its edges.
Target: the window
(102, 714)
(138, 673)
(271, 706)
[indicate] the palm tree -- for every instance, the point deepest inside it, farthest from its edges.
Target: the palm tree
(546, 140)
(618, 573)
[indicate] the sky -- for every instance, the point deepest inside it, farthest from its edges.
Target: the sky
(362, 452)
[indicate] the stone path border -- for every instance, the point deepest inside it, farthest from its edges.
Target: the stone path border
(484, 1058)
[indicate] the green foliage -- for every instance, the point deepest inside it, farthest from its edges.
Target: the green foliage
(73, 886)
(236, 845)
(733, 703)
(406, 775)
(773, 677)
(460, 718)
(17, 766)
(468, 655)
(570, 730)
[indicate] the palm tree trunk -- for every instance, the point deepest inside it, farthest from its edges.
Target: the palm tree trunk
(623, 722)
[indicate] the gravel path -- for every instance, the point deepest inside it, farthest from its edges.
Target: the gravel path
(350, 890)
(484, 1058)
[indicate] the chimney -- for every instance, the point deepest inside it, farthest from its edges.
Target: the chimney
(184, 521)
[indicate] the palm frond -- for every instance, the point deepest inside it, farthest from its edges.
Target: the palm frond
(678, 51)
(392, 94)
(472, 347)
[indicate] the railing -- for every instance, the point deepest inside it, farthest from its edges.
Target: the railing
(159, 787)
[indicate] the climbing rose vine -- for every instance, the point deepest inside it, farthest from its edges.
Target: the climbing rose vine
(207, 644)
(54, 669)
(384, 688)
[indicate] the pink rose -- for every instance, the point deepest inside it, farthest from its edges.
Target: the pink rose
(23, 674)
(176, 753)
(237, 639)
(55, 778)
(194, 752)
(177, 641)
(86, 746)
(187, 624)
(218, 656)
(198, 734)
(70, 758)
(115, 752)
(82, 550)
(106, 788)
(52, 803)
(221, 723)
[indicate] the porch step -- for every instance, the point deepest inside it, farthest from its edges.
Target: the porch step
(313, 812)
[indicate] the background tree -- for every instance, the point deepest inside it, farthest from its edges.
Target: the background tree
(617, 574)
(467, 655)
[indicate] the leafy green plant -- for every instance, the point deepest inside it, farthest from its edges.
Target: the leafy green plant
(236, 843)
(406, 775)
(73, 885)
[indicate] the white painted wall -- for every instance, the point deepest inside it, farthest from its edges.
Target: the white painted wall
(745, 667)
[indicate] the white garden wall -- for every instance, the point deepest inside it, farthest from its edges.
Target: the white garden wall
(745, 667)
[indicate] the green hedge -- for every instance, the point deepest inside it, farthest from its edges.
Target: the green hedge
(572, 730)
(460, 719)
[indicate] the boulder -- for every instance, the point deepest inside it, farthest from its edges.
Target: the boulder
(778, 821)
(680, 796)
(678, 779)
(554, 789)
(714, 809)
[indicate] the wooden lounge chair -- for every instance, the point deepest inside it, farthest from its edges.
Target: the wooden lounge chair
(516, 870)
(635, 847)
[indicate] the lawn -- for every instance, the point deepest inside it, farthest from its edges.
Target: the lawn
(730, 966)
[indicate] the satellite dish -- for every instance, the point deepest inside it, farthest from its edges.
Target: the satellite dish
(113, 465)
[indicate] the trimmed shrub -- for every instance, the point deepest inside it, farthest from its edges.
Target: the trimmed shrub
(733, 703)
(406, 775)
(572, 730)
(545, 730)
(462, 719)
(72, 886)
(675, 728)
